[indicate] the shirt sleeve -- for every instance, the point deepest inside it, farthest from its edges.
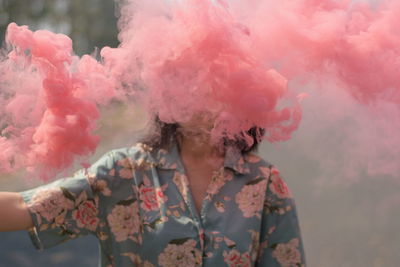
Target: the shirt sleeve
(280, 240)
(68, 207)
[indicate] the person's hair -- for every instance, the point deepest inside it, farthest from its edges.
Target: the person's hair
(162, 135)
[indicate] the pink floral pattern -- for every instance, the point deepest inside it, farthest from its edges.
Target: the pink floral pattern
(126, 171)
(151, 197)
(86, 215)
(288, 254)
(137, 203)
(128, 166)
(251, 198)
(278, 186)
(50, 204)
(124, 221)
(234, 258)
(185, 254)
(100, 185)
(218, 180)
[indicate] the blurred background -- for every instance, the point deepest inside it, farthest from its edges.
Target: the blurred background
(89, 24)
(348, 218)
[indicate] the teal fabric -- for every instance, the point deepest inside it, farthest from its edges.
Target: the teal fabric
(138, 204)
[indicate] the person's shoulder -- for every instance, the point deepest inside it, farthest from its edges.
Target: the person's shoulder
(258, 165)
(138, 157)
(135, 152)
(118, 165)
(133, 157)
(277, 188)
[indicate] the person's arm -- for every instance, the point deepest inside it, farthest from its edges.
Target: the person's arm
(14, 213)
(66, 208)
(281, 243)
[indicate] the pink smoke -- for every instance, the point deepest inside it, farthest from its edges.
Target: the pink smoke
(230, 60)
(49, 107)
(356, 43)
(194, 56)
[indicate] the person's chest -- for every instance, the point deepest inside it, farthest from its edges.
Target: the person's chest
(198, 178)
(169, 220)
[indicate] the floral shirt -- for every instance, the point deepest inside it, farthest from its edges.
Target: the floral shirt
(138, 204)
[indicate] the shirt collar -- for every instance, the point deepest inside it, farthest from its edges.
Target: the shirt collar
(234, 159)
(168, 160)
